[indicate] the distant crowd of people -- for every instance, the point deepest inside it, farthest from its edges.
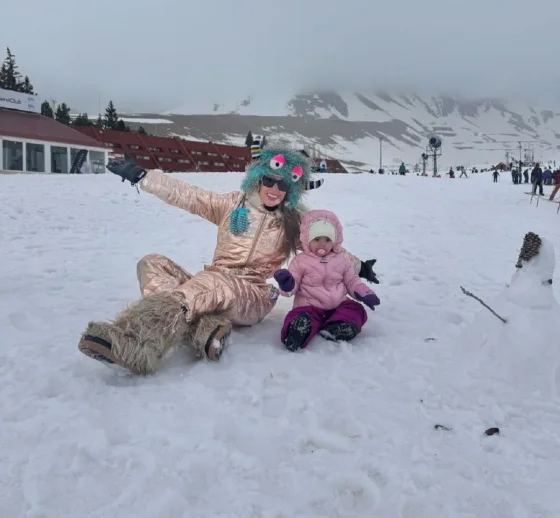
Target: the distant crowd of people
(537, 177)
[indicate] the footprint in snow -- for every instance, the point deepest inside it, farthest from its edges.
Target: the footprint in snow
(20, 321)
(275, 394)
(355, 492)
(322, 440)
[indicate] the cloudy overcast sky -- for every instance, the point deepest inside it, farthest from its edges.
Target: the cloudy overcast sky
(159, 55)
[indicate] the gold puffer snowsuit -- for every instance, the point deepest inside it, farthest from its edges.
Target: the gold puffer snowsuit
(235, 284)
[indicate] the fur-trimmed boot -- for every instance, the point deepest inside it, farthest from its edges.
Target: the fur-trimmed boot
(140, 336)
(210, 336)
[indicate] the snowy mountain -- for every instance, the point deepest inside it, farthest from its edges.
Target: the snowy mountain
(348, 126)
(338, 430)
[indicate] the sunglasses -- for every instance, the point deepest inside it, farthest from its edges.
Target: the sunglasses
(269, 181)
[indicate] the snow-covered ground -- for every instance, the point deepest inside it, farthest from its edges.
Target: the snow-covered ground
(337, 431)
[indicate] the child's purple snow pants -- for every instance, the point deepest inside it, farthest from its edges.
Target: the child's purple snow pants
(348, 311)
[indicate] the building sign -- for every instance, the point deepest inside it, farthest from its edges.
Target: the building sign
(19, 101)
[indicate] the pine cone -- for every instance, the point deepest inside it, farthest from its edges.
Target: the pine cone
(531, 247)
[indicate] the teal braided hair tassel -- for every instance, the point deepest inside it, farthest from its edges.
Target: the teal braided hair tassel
(239, 221)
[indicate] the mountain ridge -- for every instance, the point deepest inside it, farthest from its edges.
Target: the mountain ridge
(348, 126)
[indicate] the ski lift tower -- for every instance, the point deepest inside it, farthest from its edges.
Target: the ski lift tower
(434, 150)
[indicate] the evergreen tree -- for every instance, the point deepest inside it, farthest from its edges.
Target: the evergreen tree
(27, 87)
(142, 131)
(10, 78)
(99, 122)
(249, 139)
(263, 142)
(121, 126)
(82, 120)
(63, 113)
(46, 109)
(111, 117)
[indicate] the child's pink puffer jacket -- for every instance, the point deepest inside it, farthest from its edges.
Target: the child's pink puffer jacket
(323, 282)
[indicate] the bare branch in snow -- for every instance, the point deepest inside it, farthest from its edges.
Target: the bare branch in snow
(469, 294)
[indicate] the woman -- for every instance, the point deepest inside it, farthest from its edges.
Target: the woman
(258, 229)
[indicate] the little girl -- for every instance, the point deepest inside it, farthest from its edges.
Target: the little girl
(321, 277)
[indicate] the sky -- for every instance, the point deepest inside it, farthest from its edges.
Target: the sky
(156, 56)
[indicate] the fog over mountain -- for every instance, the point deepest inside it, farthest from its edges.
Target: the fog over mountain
(153, 56)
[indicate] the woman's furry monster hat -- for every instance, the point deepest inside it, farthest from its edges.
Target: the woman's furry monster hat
(290, 165)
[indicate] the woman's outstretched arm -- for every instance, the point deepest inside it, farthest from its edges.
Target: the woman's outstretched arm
(209, 205)
(206, 204)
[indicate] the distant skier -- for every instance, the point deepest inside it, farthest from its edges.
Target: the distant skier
(556, 177)
(402, 169)
(463, 172)
(537, 180)
(496, 175)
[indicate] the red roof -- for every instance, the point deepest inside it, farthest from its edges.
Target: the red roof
(26, 125)
(171, 153)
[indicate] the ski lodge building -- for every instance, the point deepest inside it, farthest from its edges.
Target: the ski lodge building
(172, 154)
(175, 154)
(31, 142)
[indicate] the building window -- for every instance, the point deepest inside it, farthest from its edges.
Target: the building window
(164, 159)
(212, 154)
(176, 151)
(35, 157)
(183, 161)
(73, 153)
(97, 159)
(219, 164)
(134, 146)
(156, 149)
(13, 156)
(59, 159)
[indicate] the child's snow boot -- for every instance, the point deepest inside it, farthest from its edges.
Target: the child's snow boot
(298, 332)
(336, 331)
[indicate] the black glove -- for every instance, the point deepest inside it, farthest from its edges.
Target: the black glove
(127, 170)
(367, 273)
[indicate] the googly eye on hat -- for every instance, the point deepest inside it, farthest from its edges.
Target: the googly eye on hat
(278, 161)
(297, 173)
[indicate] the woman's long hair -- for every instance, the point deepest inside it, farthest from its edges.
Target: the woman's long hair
(292, 222)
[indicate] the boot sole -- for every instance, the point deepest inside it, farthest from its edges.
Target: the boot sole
(217, 343)
(298, 332)
(344, 335)
(100, 350)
